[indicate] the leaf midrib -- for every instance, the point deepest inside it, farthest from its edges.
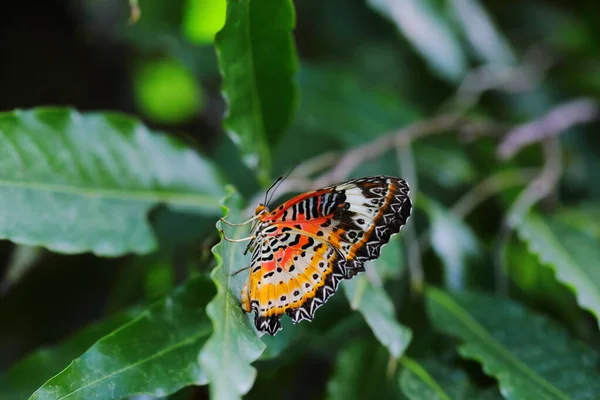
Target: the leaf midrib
(477, 329)
(425, 377)
(257, 110)
(180, 198)
(160, 353)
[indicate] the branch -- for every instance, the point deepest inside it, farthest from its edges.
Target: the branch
(355, 157)
(523, 77)
(491, 186)
(541, 186)
(555, 121)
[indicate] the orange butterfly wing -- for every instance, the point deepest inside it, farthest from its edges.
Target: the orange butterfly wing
(306, 246)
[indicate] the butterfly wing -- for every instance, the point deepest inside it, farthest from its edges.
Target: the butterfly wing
(290, 274)
(310, 243)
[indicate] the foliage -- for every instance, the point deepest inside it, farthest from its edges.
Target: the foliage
(117, 281)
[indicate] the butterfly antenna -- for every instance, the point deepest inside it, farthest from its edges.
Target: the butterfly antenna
(278, 183)
(271, 187)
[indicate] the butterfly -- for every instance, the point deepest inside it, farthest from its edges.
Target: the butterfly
(302, 249)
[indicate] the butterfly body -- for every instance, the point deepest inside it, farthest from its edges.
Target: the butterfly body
(302, 249)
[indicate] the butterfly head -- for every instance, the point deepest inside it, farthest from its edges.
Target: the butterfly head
(261, 209)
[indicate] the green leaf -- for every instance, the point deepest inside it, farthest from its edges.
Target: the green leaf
(234, 344)
(390, 264)
(451, 239)
(574, 256)
(362, 371)
(258, 62)
(431, 379)
(531, 357)
(488, 43)
(155, 354)
(538, 284)
(584, 217)
(20, 381)
(378, 310)
(425, 27)
(75, 182)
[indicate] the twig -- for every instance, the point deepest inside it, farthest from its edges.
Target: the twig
(371, 150)
(538, 189)
(555, 121)
(491, 186)
(316, 164)
(541, 186)
(484, 190)
(507, 78)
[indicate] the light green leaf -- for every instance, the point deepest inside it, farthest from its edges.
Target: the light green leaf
(430, 34)
(234, 344)
(362, 371)
(258, 62)
(572, 254)
(22, 379)
(378, 310)
(75, 182)
(451, 239)
(431, 379)
(531, 357)
(155, 354)
(480, 31)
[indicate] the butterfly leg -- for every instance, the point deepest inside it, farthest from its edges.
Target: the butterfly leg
(222, 219)
(235, 240)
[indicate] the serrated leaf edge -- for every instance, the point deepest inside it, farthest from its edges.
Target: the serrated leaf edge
(222, 293)
(446, 301)
(561, 275)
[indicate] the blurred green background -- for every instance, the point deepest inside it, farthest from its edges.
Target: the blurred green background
(364, 69)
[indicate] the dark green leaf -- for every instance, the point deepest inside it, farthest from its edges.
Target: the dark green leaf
(538, 284)
(426, 29)
(363, 370)
(431, 379)
(84, 182)
(155, 354)
(30, 373)
(574, 256)
(531, 357)
(451, 239)
(583, 218)
(234, 344)
(378, 310)
(258, 62)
